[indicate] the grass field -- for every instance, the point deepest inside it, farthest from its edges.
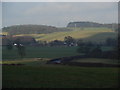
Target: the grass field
(42, 61)
(77, 33)
(43, 52)
(35, 73)
(101, 37)
(40, 52)
(59, 77)
(97, 60)
(3, 33)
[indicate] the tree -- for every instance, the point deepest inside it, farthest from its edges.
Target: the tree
(20, 47)
(56, 43)
(96, 52)
(42, 43)
(80, 43)
(69, 41)
(21, 51)
(111, 42)
(9, 46)
(83, 49)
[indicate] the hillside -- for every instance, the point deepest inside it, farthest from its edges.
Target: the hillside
(91, 24)
(101, 37)
(88, 34)
(49, 33)
(32, 29)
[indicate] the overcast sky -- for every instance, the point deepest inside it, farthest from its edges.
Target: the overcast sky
(58, 14)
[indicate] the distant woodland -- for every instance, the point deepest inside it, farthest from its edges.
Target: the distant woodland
(91, 24)
(32, 29)
(43, 29)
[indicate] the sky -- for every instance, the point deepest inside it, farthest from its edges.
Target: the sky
(58, 14)
(0, 16)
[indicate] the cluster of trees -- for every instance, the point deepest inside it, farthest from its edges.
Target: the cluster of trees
(88, 48)
(91, 24)
(95, 51)
(26, 40)
(70, 41)
(32, 29)
(20, 47)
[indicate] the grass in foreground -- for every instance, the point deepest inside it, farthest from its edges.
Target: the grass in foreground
(59, 77)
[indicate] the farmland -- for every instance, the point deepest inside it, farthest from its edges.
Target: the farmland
(40, 52)
(35, 73)
(76, 33)
(59, 77)
(43, 52)
(97, 60)
(88, 34)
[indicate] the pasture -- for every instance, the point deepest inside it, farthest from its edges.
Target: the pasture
(35, 73)
(77, 33)
(43, 52)
(57, 76)
(97, 60)
(40, 52)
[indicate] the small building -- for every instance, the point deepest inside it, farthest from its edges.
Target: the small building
(25, 40)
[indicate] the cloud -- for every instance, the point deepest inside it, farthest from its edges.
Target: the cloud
(60, 1)
(58, 13)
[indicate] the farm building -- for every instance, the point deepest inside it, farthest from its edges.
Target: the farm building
(26, 40)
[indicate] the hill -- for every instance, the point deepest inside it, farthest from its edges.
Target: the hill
(91, 34)
(49, 33)
(91, 24)
(32, 29)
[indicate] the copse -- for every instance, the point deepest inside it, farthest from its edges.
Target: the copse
(9, 46)
(89, 49)
(69, 41)
(84, 47)
(20, 47)
(96, 52)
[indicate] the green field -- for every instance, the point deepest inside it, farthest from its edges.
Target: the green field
(97, 60)
(43, 52)
(40, 52)
(77, 33)
(59, 77)
(35, 73)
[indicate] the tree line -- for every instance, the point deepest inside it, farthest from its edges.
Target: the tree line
(32, 29)
(90, 49)
(92, 24)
